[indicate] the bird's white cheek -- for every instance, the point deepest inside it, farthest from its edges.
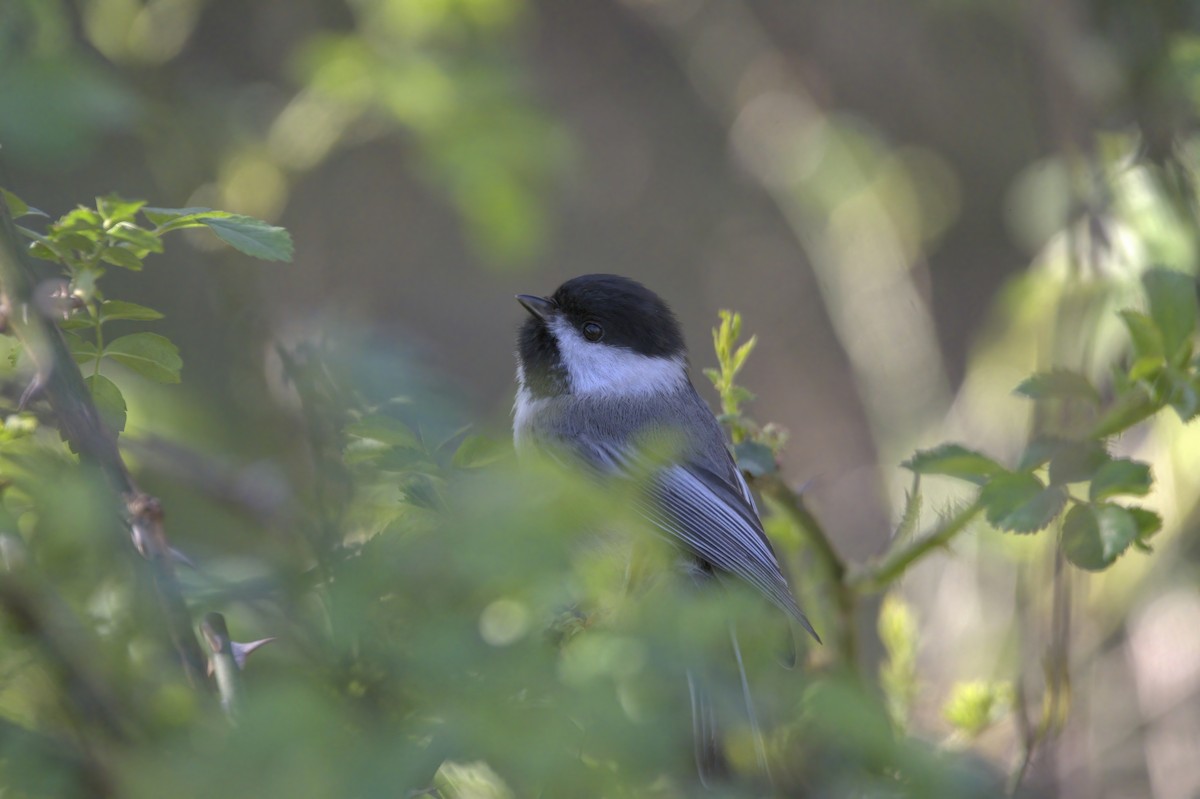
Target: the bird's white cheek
(600, 370)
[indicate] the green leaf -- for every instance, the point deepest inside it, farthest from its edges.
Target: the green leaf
(113, 310)
(477, 451)
(17, 207)
(80, 219)
(174, 218)
(954, 460)
(148, 354)
(1173, 308)
(119, 256)
(714, 376)
(1019, 502)
(1039, 451)
(82, 350)
(385, 430)
(251, 236)
(115, 209)
(1059, 383)
(1147, 341)
(142, 240)
(1094, 536)
(109, 401)
(1121, 476)
(1130, 408)
(1148, 522)
(1076, 461)
(755, 459)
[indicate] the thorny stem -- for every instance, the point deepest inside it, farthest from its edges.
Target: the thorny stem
(881, 573)
(63, 386)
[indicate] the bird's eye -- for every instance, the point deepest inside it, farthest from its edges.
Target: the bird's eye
(592, 331)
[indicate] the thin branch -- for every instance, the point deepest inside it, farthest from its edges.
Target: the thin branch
(879, 574)
(791, 504)
(58, 379)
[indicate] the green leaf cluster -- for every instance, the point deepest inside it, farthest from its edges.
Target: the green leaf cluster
(1096, 530)
(88, 240)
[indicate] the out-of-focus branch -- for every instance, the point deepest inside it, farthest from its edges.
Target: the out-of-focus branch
(879, 574)
(36, 615)
(59, 380)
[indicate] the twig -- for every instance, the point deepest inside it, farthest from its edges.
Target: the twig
(60, 382)
(878, 575)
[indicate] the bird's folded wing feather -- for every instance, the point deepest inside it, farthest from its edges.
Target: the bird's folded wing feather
(709, 516)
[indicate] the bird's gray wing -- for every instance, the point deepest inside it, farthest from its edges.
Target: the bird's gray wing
(716, 521)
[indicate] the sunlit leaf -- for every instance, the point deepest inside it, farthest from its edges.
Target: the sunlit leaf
(1121, 476)
(148, 354)
(114, 209)
(384, 429)
(954, 460)
(119, 256)
(477, 451)
(1146, 338)
(252, 236)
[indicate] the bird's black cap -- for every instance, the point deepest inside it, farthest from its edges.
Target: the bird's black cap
(632, 317)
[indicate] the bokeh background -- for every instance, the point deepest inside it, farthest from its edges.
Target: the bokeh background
(912, 204)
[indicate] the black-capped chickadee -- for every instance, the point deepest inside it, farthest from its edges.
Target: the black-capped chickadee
(601, 365)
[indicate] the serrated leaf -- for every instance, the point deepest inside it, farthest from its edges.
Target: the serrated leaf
(1173, 308)
(477, 451)
(1076, 461)
(385, 430)
(1020, 503)
(1148, 522)
(76, 241)
(1122, 476)
(1094, 536)
(109, 401)
(119, 256)
(148, 354)
(954, 460)
(114, 209)
(251, 236)
(756, 459)
(113, 310)
(1147, 340)
(1058, 383)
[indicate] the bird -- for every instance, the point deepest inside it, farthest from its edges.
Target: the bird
(601, 367)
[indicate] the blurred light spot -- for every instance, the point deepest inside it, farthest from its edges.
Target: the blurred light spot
(1039, 203)
(470, 781)
(504, 622)
(598, 655)
(1165, 648)
(252, 184)
(150, 32)
(778, 139)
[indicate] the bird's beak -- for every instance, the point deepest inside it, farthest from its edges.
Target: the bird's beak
(540, 307)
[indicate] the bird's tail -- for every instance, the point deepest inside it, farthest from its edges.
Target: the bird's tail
(711, 764)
